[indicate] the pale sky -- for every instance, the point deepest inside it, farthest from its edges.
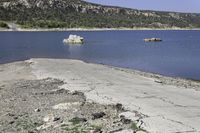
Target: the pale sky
(160, 5)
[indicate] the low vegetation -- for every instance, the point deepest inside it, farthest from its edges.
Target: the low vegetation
(3, 25)
(135, 128)
(77, 13)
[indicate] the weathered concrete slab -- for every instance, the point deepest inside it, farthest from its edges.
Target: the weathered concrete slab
(165, 108)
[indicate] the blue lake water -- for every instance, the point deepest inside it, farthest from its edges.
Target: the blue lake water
(177, 55)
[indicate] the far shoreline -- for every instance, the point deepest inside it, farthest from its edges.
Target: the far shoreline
(93, 29)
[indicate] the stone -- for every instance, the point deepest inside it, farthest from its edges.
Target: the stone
(15, 117)
(74, 39)
(11, 122)
(65, 106)
(77, 120)
(98, 115)
(37, 110)
(158, 81)
(56, 118)
(152, 40)
(119, 107)
(30, 132)
(116, 130)
(124, 120)
(10, 114)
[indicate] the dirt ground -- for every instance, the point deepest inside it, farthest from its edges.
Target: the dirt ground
(40, 106)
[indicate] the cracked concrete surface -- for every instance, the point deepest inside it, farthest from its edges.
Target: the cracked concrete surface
(162, 107)
(169, 108)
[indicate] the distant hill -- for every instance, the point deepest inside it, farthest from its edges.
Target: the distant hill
(77, 13)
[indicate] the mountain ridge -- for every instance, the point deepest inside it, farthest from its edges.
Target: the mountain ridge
(78, 13)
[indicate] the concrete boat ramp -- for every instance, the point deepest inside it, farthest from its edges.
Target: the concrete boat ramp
(160, 107)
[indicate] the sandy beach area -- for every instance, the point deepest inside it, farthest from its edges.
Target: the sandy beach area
(155, 103)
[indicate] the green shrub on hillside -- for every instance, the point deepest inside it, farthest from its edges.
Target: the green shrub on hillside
(76, 13)
(4, 25)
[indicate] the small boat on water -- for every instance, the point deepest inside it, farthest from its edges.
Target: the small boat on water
(74, 39)
(152, 40)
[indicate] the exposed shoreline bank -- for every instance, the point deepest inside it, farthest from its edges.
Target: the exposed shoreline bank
(164, 79)
(148, 97)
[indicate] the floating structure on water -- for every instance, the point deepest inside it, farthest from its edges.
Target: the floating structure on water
(74, 39)
(152, 40)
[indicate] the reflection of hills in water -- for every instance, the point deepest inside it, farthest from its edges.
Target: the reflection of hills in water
(177, 55)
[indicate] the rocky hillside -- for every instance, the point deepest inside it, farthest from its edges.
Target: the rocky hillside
(77, 13)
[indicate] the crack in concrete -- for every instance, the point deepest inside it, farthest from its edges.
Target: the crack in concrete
(174, 121)
(190, 131)
(178, 122)
(162, 99)
(90, 90)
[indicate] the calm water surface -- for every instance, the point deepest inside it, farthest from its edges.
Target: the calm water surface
(178, 55)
